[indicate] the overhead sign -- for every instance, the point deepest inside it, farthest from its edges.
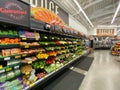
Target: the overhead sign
(105, 32)
(49, 4)
(15, 12)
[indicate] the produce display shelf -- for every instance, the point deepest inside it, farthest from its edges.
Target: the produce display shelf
(28, 46)
(8, 36)
(55, 72)
(7, 58)
(4, 46)
(30, 39)
(29, 54)
(10, 68)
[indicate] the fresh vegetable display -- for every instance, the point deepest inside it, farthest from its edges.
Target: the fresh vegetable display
(42, 56)
(39, 64)
(50, 60)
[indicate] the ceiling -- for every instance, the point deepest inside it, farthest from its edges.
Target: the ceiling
(100, 12)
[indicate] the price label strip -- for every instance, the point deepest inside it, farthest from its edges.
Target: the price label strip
(8, 69)
(7, 58)
(2, 71)
(24, 38)
(29, 62)
(17, 57)
(26, 46)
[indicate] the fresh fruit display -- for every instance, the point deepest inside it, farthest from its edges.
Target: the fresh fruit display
(52, 53)
(42, 56)
(9, 41)
(39, 64)
(26, 69)
(50, 60)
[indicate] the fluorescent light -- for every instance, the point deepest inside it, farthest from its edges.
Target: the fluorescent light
(116, 12)
(83, 12)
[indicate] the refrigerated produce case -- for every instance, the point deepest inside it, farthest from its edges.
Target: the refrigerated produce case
(33, 53)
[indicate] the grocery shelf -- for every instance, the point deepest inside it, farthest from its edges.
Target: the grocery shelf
(28, 46)
(56, 71)
(4, 46)
(29, 54)
(8, 36)
(30, 39)
(12, 57)
(10, 68)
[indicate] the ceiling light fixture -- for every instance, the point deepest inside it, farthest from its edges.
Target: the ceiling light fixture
(75, 1)
(116, 12)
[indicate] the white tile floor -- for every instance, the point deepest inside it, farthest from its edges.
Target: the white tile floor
(104, 73)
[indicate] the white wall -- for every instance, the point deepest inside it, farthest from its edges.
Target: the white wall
(77, 25)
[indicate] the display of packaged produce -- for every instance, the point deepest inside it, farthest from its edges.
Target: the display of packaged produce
(3, 77)
(10, 75)
(26, 69)
(28, 34)
(4, 41)
(17, 72)
(30, 51)
(29, 59)
(16, 84)
(9, 52)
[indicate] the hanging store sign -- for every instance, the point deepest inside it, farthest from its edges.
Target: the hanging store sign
(15, 12)
(49, 4)
(105, 32)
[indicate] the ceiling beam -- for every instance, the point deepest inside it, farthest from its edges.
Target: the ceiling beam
(103, 11)
(92, 3)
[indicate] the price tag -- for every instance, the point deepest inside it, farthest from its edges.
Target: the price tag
(23, 55)
(37, 39)
(45, 37)
(52, 37)
(8, 69)
(2, 71)
(46, 43)
(24, 38)
(29, 62)
(26, 73)
(7, 58)
(17, 56)
(46, 76)
(16, 67)
(31, 85)
(26, 46)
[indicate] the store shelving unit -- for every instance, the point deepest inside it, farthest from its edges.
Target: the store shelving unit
(33, 54)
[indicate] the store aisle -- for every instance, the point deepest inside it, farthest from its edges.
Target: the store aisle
(104, 73)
